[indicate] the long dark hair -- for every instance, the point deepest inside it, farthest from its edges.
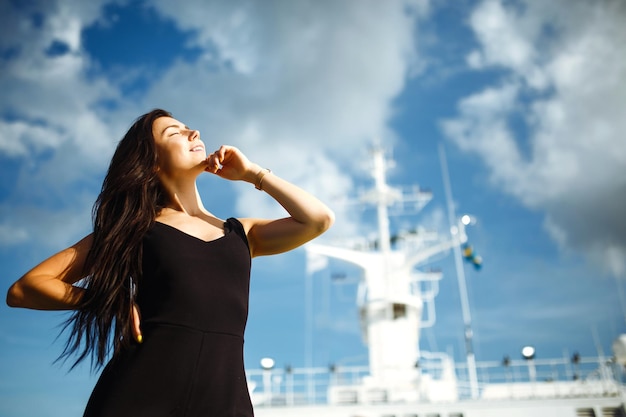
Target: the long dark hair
(129, 201)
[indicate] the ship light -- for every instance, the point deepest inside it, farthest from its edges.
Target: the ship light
(267, 364)
(528, 352)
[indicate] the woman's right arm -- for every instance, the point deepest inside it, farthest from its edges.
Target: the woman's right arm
(49, 285)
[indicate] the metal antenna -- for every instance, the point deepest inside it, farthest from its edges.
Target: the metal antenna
(460, 274)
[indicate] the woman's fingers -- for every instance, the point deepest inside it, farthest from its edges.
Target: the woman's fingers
(228, 162)
(136, 325)
(213, 163)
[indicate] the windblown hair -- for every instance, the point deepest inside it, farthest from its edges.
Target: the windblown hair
(130, 199)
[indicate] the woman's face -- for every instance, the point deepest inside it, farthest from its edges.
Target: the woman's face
(179, 149)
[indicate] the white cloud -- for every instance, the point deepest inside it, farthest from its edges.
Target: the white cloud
(18, 138)
(568, 89)
(52, 93)
(484, 129)
(298, 86)
(10, 235)
(50, 228)
(328, 69)
(502, 44)
(53, 131)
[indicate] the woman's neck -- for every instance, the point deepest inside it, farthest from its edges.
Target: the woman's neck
(184, 197)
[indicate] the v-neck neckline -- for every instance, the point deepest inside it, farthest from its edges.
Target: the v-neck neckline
(176, 229)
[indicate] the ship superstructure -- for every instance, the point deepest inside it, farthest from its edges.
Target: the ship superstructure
(391, 299)
(395, 300)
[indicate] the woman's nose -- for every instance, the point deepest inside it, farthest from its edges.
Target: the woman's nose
(193, 135)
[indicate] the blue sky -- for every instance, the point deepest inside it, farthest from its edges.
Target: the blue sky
(527, 97)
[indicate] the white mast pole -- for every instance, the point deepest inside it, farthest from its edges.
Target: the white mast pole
(382, 200)
(460, 273)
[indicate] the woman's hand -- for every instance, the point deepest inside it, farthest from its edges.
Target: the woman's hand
(136, 324)
(230, 163)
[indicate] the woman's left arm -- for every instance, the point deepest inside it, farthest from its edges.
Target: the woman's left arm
(308, 216)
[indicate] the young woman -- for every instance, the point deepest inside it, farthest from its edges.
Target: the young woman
(161, 285)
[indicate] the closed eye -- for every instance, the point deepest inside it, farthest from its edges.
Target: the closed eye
(174, 127)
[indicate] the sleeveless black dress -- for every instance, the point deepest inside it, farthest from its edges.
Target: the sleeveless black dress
(193, 299)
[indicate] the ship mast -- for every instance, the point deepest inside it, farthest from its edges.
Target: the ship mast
(383, 198)
(391, 300)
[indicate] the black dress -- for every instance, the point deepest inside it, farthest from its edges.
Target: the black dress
(193, 299)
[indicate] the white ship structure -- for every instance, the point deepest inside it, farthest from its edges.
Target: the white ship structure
(395, 299)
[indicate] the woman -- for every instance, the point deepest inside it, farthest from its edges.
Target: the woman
(156, 251)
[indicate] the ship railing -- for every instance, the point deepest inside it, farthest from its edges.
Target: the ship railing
(545, 378)
(300, 386)
(549, 378)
